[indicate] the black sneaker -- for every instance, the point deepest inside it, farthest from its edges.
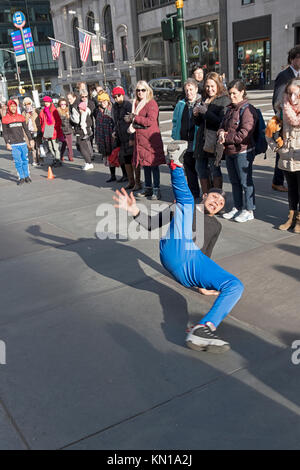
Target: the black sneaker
(112, 178)
(21, 181)
(122, 179)
(202, 338)
(27, 179)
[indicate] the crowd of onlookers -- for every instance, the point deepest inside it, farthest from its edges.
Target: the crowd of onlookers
(214, 118)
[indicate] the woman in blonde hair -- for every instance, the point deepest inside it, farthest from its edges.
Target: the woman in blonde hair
(148, 145)
(208, 116)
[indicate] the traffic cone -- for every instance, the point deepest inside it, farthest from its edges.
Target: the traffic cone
(50, 174)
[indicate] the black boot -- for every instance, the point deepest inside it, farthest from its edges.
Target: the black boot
(112, 174)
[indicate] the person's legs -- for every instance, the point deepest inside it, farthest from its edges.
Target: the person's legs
(216, 173)
(278, 177)
(84, 147)
(69, 139)
(24, 158)
(16, 154)
(191, 174)
(244, 164)
(202, 169)
(237, 191)
(156, 183)
(55, 148)
(293, 195)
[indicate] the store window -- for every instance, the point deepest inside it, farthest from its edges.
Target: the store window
(202, 47)
(109, 43)
(153, 49)
(254, 63)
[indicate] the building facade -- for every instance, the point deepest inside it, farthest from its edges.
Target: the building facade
(260, 33)
(38, 18)
(113, 24)
(131, 39)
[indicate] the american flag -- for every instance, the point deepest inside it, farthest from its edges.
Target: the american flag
(84, 45)
(55, 48)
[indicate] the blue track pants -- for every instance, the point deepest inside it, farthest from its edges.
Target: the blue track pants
(186, 262)
(20, 156)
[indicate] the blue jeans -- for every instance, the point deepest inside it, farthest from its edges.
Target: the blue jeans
(239, 168)
(186, 262)
(149, 171)
(20, 156)
(206, 167)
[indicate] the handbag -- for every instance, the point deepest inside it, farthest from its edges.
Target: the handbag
(210, 141)
(48, 131)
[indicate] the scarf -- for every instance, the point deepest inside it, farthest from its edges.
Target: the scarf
(49, 117)
(137, 106)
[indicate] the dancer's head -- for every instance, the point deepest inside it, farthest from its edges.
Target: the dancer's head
(214, 201)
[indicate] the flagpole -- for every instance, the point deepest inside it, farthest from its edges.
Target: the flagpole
(61, 42)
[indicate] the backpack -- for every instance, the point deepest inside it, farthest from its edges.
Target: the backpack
(259, 135)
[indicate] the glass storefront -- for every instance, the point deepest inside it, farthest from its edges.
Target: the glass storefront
(153, 49)
(254, 63)
(202, 47)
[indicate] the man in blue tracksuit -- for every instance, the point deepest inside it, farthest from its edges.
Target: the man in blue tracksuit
(186, 261)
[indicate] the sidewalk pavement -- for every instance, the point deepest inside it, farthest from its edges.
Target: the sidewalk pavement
(95, 329)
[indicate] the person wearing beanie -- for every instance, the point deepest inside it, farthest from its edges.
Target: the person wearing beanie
(120, 109)
(104, 131)
(186, 249)
(34, 125)
(51, 128)
(14, 131)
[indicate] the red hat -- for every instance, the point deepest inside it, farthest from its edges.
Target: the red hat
(47, 99)
(118, 90)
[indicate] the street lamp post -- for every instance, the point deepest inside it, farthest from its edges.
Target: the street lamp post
(182, 42)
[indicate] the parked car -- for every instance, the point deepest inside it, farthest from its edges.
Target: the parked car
(55, 97)
(167, 91)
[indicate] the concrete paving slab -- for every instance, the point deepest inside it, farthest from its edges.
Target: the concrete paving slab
(271, 278)
(16, 241)
(89, 364)
(265, 398)
(10, 439)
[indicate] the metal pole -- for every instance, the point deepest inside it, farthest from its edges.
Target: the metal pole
(182, 43)
(28, 62)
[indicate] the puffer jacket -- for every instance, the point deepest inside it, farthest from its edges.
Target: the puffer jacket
(240, 128)
(290, 152)
(148, 145)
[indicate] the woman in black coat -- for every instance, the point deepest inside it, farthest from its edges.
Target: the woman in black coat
(208, 116)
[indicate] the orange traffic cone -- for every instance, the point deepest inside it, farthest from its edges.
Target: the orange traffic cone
(50, 174)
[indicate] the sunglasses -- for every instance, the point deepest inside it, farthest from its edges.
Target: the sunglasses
(84, 96)
(117, 96)
(141, 90)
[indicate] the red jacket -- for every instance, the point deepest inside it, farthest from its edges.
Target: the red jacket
(240, 128)
(58, 134)
(148, 146)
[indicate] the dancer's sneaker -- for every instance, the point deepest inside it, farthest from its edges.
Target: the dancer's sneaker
(27, 179)
(202, 338)
(244, 216)
(175, 152)
(231, 214)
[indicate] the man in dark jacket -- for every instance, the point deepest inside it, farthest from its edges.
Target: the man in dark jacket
(120, 109)
(282, 79)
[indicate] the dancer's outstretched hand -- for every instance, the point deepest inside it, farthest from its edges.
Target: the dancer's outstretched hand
(207, 292)
(126, 202)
